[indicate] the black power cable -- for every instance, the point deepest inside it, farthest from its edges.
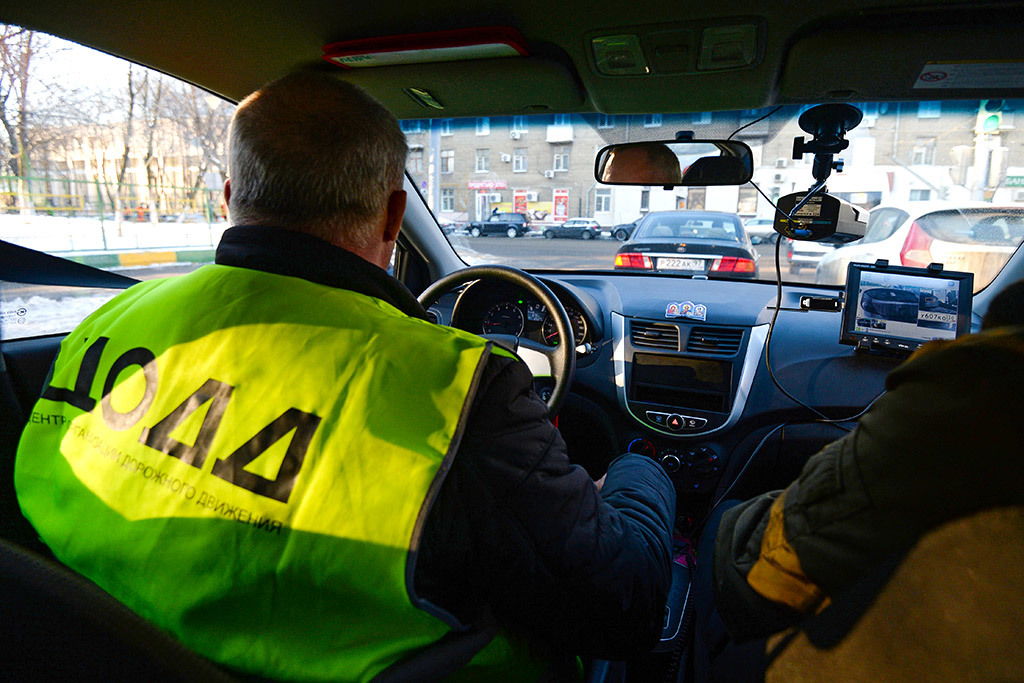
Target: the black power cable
(757, 120)
(771, 328)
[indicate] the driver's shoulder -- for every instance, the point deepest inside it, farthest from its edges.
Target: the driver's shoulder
(505, 377)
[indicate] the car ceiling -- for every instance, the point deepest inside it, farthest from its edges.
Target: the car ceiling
(807, 50)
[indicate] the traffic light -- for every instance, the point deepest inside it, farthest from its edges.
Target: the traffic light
(990, 117)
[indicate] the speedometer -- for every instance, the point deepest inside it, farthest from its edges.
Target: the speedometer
(504, 318)
(579, 327)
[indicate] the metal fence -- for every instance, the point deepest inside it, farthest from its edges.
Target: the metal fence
(106, 201)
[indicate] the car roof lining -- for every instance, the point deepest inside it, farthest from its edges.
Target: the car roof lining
(806, 49)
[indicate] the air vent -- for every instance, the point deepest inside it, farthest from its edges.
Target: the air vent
(654, 335)
(433, 316)
(720, 341)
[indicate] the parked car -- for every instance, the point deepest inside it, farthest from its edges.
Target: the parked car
(891, 304)
(625, 230)
(761, 230)
(574, 228)
(690, 243)
(501, 223)
(976, 237)
(802, 254)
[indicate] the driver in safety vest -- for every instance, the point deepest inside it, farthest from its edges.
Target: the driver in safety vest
(279, 460)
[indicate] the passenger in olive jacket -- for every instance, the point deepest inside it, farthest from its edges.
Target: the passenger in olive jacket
(943, 442)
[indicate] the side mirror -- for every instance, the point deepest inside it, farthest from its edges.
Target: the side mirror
(686, 162)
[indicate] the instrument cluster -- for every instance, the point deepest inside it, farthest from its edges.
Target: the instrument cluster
(505, 309)
(531, 319)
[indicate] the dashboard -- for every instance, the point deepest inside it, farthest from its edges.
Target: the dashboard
(676, 370)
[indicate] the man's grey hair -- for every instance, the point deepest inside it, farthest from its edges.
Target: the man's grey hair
(314, 153)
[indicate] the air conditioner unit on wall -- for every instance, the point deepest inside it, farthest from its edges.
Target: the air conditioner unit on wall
(779, 178)
(531, 196)
(549, 174)
(780, 162)
(515, 134)
(506, 158)
(494, 197)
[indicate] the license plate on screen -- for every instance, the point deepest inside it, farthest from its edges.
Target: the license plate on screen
(680, 264)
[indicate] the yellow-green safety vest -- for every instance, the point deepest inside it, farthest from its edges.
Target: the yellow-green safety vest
(247, 459)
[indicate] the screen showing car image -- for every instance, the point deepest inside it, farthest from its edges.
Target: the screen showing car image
(902, 308)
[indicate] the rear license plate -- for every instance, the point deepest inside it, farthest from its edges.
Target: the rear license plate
(680, 264)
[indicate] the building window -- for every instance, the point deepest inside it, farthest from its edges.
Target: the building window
(483, 160)
(561, 162)
(923, 152)
(602, 201)
(447, 199)
(929, 110)
(871, 111)
(520, 124)
(483, 125)
(605, 121)
(415, 164)
(446, 126)
(411, 126)
(519, 157)
(652, 120)
(447, 160)
(562, 120)
(695, 197)
(920, 195)
(746, 202)
(702, 118)
(645, 200)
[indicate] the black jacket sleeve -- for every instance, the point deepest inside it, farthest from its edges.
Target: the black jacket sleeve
(519, 529)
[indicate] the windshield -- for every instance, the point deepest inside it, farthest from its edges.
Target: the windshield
(909, 163)
(660, 225)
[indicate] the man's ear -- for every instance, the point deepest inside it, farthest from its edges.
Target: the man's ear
(393, 215)
(227, 192)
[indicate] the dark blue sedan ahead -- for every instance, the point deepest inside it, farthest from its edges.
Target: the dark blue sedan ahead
(690, 243)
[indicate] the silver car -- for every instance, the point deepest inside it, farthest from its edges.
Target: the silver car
(975, 237)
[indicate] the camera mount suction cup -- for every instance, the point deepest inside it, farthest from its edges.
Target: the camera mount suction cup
(828, 125)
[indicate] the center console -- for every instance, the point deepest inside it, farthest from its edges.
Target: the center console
(682, 381)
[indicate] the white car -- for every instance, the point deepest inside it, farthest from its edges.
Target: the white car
(806, 254)
(973, 236)
(761, 230)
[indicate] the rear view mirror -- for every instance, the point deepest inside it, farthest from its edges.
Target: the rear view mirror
(686, 162)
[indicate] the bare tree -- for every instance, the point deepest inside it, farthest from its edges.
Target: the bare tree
(17, 47)
(202, 119)
(16, 51)
(152, 99)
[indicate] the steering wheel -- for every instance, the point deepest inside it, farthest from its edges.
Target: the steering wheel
(560, 359)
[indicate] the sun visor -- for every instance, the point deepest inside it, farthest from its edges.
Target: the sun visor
(926, 61)
(531, 85)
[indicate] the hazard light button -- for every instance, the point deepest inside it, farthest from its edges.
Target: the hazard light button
(675, 422)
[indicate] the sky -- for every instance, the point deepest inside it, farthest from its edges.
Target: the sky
(67, 62)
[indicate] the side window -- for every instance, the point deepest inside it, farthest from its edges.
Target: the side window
(883, 223)
(111, 165)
